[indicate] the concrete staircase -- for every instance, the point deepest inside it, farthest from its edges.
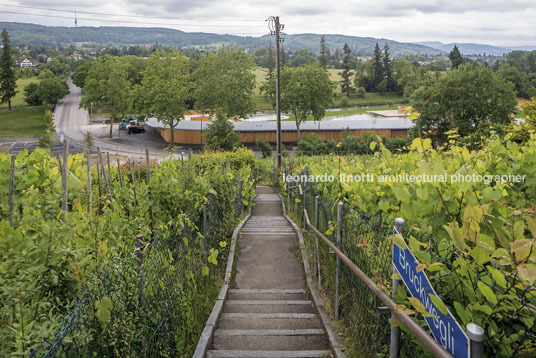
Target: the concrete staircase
(270, 313)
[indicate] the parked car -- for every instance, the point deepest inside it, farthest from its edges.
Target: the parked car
(125, 122)
(134, 127)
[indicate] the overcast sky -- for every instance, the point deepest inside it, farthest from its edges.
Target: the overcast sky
(494, 22)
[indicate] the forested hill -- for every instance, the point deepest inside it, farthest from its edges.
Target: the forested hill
(55, 36)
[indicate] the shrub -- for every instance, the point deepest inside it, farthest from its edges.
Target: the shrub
(220, 135)
(265, 147)
(31, 96)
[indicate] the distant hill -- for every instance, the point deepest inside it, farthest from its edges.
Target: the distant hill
(361, 46)
(56, 36)
(475, 49)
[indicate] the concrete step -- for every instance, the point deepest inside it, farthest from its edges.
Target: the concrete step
(268, 332)
(269, 302)
(269, 323)
(267, 229)
(268, 343)
(267, 198)
(268, 296)
(267, 354)
(270, 315)
(267, 308)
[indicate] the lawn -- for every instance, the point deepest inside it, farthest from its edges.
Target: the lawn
(22, 122)
(370, 99)
(18, 100)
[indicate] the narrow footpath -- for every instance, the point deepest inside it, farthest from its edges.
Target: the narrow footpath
(270, 312)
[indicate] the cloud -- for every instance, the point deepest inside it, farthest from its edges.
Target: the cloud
(494, 22)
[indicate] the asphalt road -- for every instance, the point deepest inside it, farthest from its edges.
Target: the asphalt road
(73, 123)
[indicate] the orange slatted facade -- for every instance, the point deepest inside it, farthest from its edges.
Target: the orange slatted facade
(183, 136)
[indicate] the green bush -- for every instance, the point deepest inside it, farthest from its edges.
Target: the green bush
(265, 147)
(220, 135)
(31, 96)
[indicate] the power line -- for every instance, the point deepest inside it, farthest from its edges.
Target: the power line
(129, 22)
(137, 16)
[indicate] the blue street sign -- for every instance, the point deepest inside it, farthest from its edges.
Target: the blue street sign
(445, 329)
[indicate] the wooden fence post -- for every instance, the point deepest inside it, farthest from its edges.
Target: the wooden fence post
(11, 198)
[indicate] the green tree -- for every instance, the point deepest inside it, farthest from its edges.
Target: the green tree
(164, 89)
(30, 94)
(346, 74)
(323, 59)
(388, 69)
(225, 81)
(8, 81)
(305, 90)
(51, 90)
(302, 57)
(220, 134)
(378, 72)
(80, 72)
(270, 61)
(46, 73)
(337, 59)
(264, 146)
(455, 57)
(364, 75)
(283, 56)
(520, 79)
(107, 85)
(529, 109)
(465, 99)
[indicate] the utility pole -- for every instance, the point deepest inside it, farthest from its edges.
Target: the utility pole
(275, 30)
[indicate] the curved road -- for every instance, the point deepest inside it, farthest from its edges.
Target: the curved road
(72, 122)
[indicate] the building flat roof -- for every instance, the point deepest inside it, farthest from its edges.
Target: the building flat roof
(324, 125)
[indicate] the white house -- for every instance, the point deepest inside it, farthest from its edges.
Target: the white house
(26, 63)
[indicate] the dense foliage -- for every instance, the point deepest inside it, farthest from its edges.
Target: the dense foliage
(305, 90)
(464, 99)
(220, 134)
(312, 144)
(7, 74)
(483, 211)
(224, 81)
(47, 254)
(164, 89)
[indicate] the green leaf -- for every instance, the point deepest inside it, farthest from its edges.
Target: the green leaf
(532, 226)
(498, 276)
(438, 303)
(399, 241)
(522, 249)
(519, 230)
(483, 308)
(487, 292)
(104, 307)
(527, 272)
(456, 235)
(402, 194)
(415, 302)
(462, 312)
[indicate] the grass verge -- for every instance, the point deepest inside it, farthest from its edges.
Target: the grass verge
(22, 122)
(18, 100)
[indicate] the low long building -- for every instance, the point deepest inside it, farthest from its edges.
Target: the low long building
(192, 132)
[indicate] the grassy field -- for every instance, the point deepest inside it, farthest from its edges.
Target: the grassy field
(22, 122)
(18, 100)
(370, 99)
